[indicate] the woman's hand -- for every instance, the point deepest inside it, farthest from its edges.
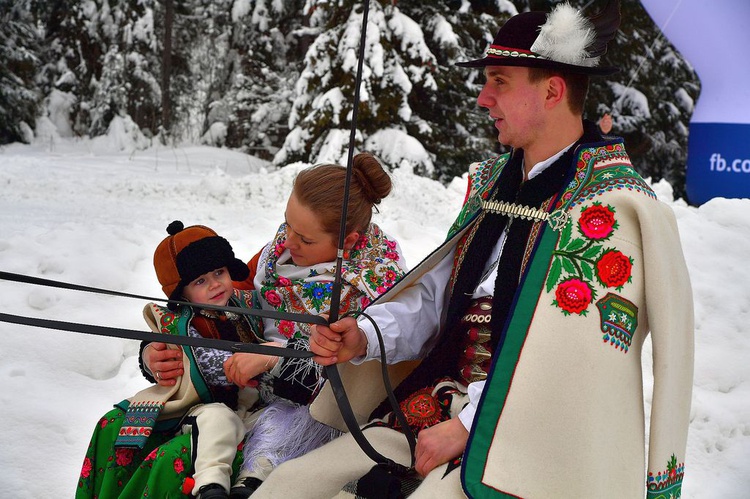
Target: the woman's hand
(241, 368)
(164, 363)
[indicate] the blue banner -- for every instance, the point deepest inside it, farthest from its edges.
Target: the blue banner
(718, 161)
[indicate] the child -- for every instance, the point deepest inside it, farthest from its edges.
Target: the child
(192, 264)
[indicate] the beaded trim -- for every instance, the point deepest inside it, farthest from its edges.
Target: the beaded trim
(558, 219)
(511, 52)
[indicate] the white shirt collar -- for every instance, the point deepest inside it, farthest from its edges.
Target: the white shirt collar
(543, 165)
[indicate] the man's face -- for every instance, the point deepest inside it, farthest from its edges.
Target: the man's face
(515, 103)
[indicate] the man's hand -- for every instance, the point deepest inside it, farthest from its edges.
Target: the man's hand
(164, 363)
(439, 444)
(338, 342)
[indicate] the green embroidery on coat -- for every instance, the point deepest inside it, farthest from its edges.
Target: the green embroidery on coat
(481, 181)
(603, 169)
(619, 320)
(666, 484)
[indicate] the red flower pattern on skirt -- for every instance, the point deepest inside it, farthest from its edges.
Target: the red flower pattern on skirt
(179, 465)
(86, 469)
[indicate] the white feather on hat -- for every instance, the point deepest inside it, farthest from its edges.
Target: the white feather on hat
(565, 36)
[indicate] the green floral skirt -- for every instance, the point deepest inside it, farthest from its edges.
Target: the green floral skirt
(162, 469)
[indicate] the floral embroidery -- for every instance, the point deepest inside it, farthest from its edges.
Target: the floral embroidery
(603, 169)
(614, 269)
(368, 270)
(666, 484)
(317, 292)
(579, 262)
(123, 456)
(86, 469)
(573, 296)
(286, 328)
(273, 298)
(167, 322)
(179, 465)
(597, 222)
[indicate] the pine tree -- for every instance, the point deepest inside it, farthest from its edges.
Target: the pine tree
(253, 99)
(450, 124)
(19, 61)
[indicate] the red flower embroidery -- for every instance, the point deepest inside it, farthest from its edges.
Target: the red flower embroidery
(179, 465)
(361, 243)
(103, 422)
(573, 296)
(152, 455)
(283, 282)
(286, 328)
(273, 298)
(390, 277)
(614, 269)
(86, 470)
(123, 457)
(597, 222)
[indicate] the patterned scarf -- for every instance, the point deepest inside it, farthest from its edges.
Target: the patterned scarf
(368, 270)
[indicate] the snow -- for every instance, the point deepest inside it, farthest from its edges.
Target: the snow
(90, 212)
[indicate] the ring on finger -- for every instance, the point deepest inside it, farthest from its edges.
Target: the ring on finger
(158, 375)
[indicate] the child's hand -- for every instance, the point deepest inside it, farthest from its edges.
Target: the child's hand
(241, 368)
(164, 363)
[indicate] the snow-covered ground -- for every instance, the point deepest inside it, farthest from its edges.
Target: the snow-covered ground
(75, 211)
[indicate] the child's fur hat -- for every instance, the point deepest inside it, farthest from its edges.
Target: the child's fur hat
(188, 253)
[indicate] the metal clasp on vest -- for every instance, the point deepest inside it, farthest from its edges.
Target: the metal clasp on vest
(557, 220)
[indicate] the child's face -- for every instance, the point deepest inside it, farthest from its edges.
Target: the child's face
(306, 240)
(212, 288)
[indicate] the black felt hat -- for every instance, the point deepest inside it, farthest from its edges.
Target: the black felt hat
(562, 40)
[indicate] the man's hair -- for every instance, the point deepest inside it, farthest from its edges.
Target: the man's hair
(578, 85)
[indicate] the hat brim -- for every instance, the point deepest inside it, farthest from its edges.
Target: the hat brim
(532, 62)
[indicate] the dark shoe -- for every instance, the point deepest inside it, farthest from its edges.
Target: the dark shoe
(245, 488)
(212, 491)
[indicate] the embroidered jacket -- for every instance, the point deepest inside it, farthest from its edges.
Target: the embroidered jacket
(561, 414)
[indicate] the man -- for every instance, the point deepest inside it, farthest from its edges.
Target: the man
(531, 328)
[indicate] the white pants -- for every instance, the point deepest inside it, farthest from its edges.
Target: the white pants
(323, 472)
(216, 432)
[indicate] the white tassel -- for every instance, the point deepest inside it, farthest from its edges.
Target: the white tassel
(565, 36)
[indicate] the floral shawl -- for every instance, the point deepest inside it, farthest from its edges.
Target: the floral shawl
(368, 270)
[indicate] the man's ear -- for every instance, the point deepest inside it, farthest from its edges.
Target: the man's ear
(556, 90)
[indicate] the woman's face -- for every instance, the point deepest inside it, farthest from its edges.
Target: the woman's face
(305, 238)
